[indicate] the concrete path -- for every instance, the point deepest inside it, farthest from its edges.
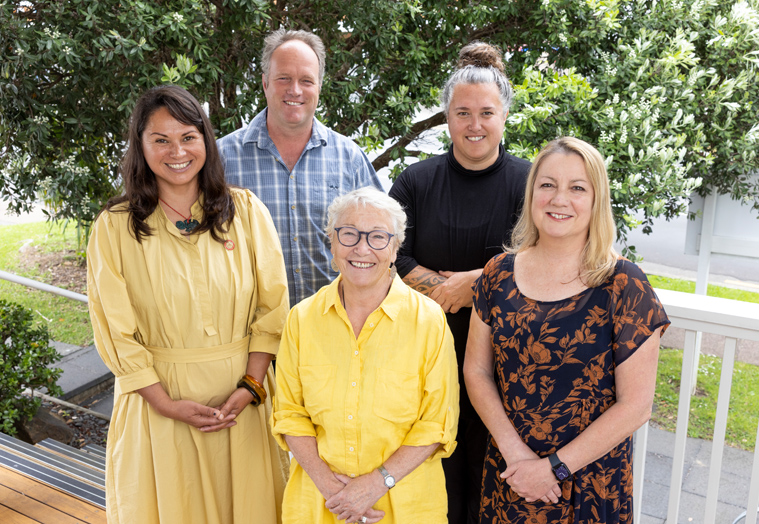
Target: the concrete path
(734, 481)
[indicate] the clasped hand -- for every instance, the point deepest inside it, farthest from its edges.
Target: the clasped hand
(532, 479)
(356, 498)
(209, 419)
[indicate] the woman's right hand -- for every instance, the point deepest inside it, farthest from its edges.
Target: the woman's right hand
(521, 467)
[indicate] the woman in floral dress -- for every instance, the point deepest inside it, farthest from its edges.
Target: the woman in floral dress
(562, 352)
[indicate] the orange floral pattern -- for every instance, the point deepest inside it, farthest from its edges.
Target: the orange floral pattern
(554, 365)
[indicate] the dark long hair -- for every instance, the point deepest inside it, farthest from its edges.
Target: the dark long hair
(140, 186)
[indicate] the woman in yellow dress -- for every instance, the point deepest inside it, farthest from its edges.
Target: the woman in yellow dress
(188, 297)
(367, 398)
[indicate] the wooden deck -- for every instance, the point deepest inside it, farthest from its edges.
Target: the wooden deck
(50, 483)
(24, 501)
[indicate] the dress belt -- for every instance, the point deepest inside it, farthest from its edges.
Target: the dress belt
(190, 355)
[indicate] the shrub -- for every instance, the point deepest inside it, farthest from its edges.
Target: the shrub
(25, 354)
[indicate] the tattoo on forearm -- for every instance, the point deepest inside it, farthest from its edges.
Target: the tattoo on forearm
(424, 281)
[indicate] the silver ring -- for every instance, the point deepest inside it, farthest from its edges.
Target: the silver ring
(363, 519)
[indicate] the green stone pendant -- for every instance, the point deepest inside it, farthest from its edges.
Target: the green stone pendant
(187, 225)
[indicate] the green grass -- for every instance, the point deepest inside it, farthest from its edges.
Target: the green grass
(743, 415)
(67, 320)
(688, 286)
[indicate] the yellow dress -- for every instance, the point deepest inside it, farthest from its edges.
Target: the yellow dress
(185, 312)
(397, 384)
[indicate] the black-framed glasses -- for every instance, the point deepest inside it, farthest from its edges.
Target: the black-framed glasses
(350, 236)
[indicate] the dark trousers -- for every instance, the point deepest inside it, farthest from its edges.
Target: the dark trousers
(463, 472)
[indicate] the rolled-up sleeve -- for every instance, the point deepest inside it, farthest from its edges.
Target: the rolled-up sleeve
(113, 323)
(289, 415)
(439, 410)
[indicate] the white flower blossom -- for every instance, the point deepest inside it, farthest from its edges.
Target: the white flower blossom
(178, 17)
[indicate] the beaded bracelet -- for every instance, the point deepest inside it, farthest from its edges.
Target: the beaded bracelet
(254, 387)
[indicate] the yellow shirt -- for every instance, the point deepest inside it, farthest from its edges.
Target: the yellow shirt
(396, 385)
(185, 312)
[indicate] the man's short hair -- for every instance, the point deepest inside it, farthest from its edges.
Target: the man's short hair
(280, 36)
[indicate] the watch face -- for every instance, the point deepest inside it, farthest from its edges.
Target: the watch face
(561, 472)
(389, 481)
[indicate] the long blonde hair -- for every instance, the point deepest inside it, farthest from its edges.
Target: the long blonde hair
(598, 255)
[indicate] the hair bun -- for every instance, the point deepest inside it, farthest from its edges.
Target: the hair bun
(480, 54)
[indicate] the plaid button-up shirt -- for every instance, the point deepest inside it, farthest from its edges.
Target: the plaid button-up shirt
(330, 165)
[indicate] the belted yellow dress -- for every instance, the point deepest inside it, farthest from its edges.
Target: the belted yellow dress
(185, 312)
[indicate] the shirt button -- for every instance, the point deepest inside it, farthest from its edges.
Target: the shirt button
(355, 352)
(371, 324)
(353, 384)
(353, 474)
(292, 207)
(350, 417)
(295, 239)
(297, 270)
(292, 177)
(350, 448)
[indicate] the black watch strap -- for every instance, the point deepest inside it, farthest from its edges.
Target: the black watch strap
(560, 470)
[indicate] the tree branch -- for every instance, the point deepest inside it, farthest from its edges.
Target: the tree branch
(416, 130)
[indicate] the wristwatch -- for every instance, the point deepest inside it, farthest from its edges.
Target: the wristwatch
(559, 468)
(389, 479)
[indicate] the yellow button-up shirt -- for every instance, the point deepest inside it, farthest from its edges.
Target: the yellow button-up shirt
(363, 398)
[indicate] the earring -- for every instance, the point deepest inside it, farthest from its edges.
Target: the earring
(333, 265)
(392, 270)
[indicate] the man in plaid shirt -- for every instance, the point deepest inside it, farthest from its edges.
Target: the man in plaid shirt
(292, 162)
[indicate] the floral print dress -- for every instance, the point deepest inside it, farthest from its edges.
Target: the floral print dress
(554, 369)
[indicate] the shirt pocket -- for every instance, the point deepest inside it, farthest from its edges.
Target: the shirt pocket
(317, 383)
(396, 396)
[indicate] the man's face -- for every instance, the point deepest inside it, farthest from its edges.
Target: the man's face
(292, 87)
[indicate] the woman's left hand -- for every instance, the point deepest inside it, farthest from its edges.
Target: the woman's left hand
(228, 411)
(533, 480)
(357, 498)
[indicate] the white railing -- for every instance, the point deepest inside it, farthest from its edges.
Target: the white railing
(734, 320)
(10, 277)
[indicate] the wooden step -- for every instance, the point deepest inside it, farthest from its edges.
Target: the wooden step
(95, 450)
(53, 478)
(24, 500)
(45, 458)
(83, 457)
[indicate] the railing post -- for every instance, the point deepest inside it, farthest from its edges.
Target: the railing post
(720, 426)
(688, 378)
(640, 447)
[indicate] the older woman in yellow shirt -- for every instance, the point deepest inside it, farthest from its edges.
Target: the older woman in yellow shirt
(367, 388)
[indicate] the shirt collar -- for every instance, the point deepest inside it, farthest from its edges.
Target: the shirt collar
(258, 133)
(391, 306)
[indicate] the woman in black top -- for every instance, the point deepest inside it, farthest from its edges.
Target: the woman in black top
(461, 208)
